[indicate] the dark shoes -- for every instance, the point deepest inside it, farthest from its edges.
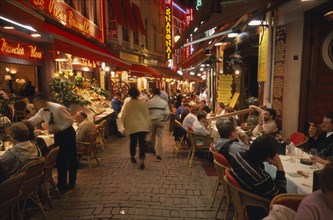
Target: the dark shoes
(133, 160)
(158, 158)
(142, 166)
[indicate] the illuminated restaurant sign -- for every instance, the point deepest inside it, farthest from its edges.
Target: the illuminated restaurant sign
(188, 19)
(168, 29)
(68, 16)
(21, 50)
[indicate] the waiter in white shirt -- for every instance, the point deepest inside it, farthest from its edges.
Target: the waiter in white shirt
(59, 122)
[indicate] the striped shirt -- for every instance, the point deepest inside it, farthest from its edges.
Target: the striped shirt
(253, 177)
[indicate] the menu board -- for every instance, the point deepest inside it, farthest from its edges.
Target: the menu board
(279, 69)
(262, 55)
(224, 89)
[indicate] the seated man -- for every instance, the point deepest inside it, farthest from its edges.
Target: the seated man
(267, 124)
(229, 145)
(21, 153)
(85, 127)
(191, 117)
(325, 139)
(248, 170)
(200, 126)
(203, 106)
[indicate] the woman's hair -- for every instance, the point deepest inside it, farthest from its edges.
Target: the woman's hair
(326, 178)
(19, 132)
(133, 92)
(263, 147)
(221, 104)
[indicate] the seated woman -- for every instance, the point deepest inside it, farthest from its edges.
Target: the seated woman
(220, 109)
(200, 126)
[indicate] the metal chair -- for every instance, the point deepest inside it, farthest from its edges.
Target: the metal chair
(241, 198)
(34, 170)
(87, 150)
(10, 191)
(221, 164)
(198, 143)
(47, 179)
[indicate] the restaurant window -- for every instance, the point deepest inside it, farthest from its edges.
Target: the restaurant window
(83, 7)
(125, 34)
(146, 25)
(136, 38)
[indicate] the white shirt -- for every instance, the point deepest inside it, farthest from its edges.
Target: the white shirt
(189, 120)
(61, 117)
(158, 108)
(199, 128)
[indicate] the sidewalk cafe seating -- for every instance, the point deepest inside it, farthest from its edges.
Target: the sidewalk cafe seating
(181, 140)
(221, 164)
(289, 200)
(10, 190)
(47, 179)
(198, 143)
(87, 150)
(34, 171)
(299, 139)
(101, 134)
(241, 198)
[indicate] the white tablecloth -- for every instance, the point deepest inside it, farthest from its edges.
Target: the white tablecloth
(295, 183)
(49, 139)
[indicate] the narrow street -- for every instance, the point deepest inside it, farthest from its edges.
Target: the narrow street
(118, 189)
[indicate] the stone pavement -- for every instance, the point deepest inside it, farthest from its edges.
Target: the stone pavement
(118, 189)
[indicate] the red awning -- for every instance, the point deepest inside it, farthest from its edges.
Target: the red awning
(75, 45)
(167, 73)
(195, 59)
(193, 78)
(141, 70)
(138, 17)
(119, 12)
(129, 16)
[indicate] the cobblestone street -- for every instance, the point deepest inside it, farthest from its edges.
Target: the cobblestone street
(118, 189)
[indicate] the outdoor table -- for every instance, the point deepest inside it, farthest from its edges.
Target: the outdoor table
(296, 183)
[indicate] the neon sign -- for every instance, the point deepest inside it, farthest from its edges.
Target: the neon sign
(69, 17)
(198, 5)
(19, 49)
(168, 29)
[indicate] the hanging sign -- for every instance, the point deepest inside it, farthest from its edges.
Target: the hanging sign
(262, 56)
(68, 16)
(21, 50)
(168, 29)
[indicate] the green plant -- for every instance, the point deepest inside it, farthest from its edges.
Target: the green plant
(65, 92)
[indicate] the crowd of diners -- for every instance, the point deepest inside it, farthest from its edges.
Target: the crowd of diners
(143, 116)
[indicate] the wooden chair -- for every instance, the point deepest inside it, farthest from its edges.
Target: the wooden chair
(180, 141)
(241, 198)
(34, 170)
(20, 110)
(87, 150)
(289, 200)
(198, 143)
(47, 179)
(10, 191)
(221, 164)
(101, 134)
